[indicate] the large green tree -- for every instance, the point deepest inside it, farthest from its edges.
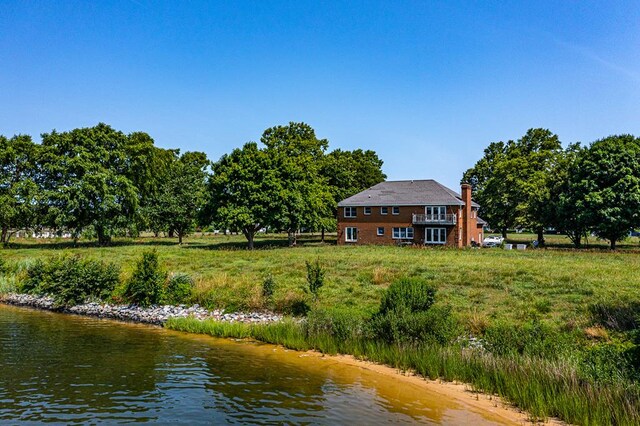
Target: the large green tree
(305, 199)
(182, 195)
(243, 190)
(347, 173)
(513, 181)
(492, 187)
(606, 182)
(19, 192)
(87, 179)
(566, 207)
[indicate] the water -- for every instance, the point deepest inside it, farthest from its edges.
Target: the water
(68, 369)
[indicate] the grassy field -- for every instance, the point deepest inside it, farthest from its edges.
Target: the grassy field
(480, 284)
(559, 326)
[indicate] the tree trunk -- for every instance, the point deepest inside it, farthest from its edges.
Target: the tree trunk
(291, 235)
(540, 236)
(613, 244)
(156, 234)
(180, 235)
(103, 238)
(3, 238)
(577, 241)
(171, 233)
(322, 235)
(504, 233)
(249, 234)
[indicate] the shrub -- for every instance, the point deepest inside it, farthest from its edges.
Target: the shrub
(178, 290)
(412, 294)
(71, 280)
(534, 338)
(145, 287)
(315, 277)
(436, 325)
(406, 315)
(268, 287)
(341, 324)
(608, 363)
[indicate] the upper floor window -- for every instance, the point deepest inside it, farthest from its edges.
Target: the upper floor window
(395, 210)
(384, 210)
(367, 210)
(350, 212)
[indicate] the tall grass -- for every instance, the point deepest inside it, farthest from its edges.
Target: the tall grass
(541, 387)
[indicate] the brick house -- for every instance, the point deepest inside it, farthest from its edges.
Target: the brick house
(410, 212)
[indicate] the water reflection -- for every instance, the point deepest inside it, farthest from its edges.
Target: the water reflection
(66, 369)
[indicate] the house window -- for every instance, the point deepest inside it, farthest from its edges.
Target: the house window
(384, 210)
(435, 235)
(403, 233)
(350, 212)
(395, 210)
(380, 231)
(436, 212)
(351, 234)
(367, 210)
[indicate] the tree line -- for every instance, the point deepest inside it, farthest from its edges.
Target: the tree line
(101, 182)
(579, 190)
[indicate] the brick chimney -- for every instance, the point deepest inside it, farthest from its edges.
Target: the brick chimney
(467, 232)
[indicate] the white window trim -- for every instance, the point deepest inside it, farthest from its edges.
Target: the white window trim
(346, 234)
(393, 210)
(439, 231)
(400, 233)
(378, 233)
(384, 213)
(365, 209)
(355, 212)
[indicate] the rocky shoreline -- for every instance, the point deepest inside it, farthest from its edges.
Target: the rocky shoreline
(157, 315)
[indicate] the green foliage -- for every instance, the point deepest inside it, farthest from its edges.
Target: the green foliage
(19, 192)
(178, 289)
(609, 362)
(407, 315)
(513, 181)
(243, 191)
(268, 287)
(71, 280)
(146, 285)
(605, 183)
(87, 180)
(532, 338)
(315, 277)
(181, 195)
(340, 324)
(408, 294)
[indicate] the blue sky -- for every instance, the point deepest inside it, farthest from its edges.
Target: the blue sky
(425, 84)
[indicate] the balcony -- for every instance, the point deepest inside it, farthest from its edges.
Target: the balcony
(434, 219)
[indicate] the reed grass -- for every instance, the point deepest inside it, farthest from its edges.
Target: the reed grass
(542, 388)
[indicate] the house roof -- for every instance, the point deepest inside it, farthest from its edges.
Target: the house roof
(406, 193)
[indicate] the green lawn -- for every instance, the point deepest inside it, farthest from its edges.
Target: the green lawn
(481, 284)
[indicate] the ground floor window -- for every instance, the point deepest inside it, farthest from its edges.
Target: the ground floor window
(435, 235)
(403, 233)
(380, 230)
(351, 234)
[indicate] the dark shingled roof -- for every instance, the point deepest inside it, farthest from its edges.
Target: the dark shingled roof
(406, 193)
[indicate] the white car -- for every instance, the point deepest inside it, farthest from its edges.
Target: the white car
(492, 241)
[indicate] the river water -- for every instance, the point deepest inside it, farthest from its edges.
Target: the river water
(69, 369)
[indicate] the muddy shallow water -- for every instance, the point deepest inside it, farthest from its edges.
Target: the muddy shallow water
(65, 369)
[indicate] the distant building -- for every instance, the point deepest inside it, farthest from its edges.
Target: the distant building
(410, 212)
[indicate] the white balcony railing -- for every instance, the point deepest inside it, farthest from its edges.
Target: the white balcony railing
(434, 219)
